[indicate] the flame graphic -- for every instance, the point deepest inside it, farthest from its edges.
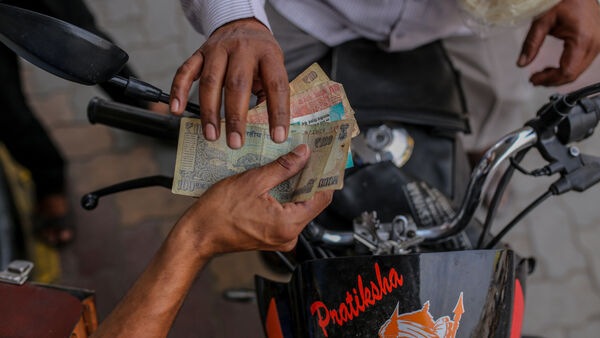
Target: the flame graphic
(420, 323)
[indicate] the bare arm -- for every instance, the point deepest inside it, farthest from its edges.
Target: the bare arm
(235, 214)
(577, 23)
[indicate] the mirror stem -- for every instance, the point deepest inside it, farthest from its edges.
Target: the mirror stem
(145, 91)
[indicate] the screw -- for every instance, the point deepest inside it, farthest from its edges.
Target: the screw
(574, 151)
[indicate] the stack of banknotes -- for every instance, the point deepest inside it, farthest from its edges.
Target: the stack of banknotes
(321, 117)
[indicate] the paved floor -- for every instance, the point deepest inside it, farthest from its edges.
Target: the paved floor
(118, 238)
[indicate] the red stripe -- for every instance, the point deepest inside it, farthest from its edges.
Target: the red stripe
(272, 324)
(517, 313)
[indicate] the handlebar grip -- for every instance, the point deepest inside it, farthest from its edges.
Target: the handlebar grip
(133, 119)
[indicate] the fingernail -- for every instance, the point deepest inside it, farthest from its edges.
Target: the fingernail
(210, 132)
(175, 105)
(522, 60)
(300, 150)
(278, 134)
(235, 140)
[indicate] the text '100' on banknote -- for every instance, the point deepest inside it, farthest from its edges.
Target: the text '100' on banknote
(201, 163)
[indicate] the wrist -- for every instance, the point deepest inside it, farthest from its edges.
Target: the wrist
(217, 13)
(247, 24)
(190, 238)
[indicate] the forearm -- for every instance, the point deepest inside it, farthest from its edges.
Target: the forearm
(150, 306)
(235, 214)
(208, 15)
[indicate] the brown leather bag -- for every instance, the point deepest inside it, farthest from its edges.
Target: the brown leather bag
(39, 310)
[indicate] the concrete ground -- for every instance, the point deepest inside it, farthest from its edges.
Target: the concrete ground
(116, 240)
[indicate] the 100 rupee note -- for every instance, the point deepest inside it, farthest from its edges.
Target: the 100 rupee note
(201, 163)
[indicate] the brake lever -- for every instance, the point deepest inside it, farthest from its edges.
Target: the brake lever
(580, 179)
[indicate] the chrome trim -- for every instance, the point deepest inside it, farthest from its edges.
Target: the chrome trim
(502, 150)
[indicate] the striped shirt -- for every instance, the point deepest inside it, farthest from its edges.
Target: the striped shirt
(397, 24)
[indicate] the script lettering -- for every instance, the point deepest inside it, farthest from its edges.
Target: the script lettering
(356, 303)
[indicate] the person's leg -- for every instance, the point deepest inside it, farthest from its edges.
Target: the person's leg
(29, 144)
(496, 90)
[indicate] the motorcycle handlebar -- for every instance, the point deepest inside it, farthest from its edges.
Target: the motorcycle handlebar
(133, 119)
(574, 124)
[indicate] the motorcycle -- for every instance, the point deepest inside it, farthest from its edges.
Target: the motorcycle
(385, 275)
(416, 264)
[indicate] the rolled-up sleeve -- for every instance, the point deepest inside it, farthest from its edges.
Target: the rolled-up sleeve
(208, 15)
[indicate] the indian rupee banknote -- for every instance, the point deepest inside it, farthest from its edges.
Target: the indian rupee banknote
(318, 93)
(202, 163)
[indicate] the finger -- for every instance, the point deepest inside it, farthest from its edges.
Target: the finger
(573, 62)
(281, 169)
(210, 89)
(257, 89)
(277, 90)
(547, 77)
(534, 39)
(238, 87)
(182, 82)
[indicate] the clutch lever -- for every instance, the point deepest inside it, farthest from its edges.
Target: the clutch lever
(90, 200)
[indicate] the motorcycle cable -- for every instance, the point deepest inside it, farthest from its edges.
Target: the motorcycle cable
(285, 261)
(580, 178)
(544, 171)
(500, 189)
(309, 249)
(518, 218)
(548, 116)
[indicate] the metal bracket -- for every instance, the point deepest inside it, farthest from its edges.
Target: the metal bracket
(17, 272)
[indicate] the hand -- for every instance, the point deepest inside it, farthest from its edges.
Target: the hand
(241, 57)
(235, 214)
(577, 23)
(239, 214)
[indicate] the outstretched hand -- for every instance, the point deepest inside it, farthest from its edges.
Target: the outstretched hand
(577, 23)
(238, 213)
(240, 57)
(233, 215)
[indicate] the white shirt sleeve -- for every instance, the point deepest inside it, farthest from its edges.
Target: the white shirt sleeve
(208, 15)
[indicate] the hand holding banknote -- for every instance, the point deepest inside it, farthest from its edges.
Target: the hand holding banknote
(201, 163)
(228, 65)
(236, 214)
(321, 118)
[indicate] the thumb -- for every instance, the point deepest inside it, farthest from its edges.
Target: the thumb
(284, 167)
